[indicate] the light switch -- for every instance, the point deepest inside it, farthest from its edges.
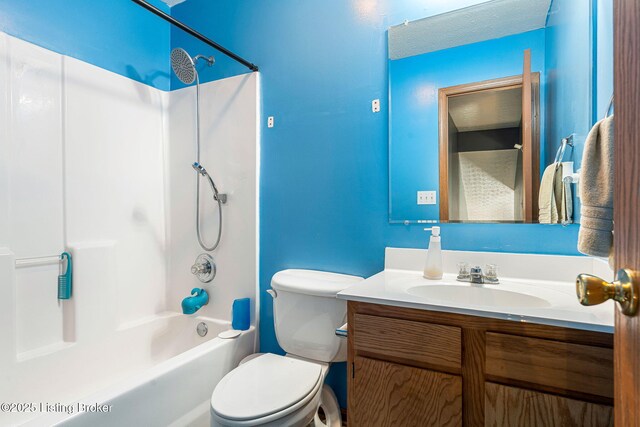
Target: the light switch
(270, 121)
(375, 105)
(426, 197)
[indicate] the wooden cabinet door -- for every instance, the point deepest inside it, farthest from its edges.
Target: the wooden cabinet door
(511, 406)
(389, 394)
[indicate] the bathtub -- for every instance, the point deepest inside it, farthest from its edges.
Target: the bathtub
(159, 372)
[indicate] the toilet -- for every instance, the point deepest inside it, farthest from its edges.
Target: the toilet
(273, 390)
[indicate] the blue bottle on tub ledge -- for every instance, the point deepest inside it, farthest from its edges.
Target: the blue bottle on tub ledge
(241, 314)
(195, 302)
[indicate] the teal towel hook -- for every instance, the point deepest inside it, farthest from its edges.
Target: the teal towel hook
(65, 280)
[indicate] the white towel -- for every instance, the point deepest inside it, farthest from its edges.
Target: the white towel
(555, 204)
(596, 191)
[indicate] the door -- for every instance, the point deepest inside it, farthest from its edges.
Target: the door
(626, 216)
(627, 203)
(527, 138)
(529, 85)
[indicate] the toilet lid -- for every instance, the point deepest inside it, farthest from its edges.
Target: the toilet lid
(263, 386)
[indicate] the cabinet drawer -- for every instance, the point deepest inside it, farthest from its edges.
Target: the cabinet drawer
(553, 364)
(512, 406)
(409, 342)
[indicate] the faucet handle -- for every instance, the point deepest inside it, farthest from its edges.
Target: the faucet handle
(204, 268)
(463, 272)
(491, 274)
(200, 268)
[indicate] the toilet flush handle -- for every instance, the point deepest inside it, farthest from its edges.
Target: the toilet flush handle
(273, 293)
(342, 331)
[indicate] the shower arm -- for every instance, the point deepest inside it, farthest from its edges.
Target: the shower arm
(208, 59)
(195, 34)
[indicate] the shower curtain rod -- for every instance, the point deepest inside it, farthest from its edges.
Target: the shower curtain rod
(195, 34)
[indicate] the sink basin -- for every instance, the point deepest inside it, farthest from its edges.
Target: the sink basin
(478, 296)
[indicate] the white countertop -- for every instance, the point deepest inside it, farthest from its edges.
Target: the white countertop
(560, 306)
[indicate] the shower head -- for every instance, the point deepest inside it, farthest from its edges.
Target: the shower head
(200, 169)
(185, 66)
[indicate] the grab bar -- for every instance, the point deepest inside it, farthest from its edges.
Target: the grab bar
(43, 260)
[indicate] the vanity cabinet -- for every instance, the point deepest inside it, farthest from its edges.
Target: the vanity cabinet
(410, 367)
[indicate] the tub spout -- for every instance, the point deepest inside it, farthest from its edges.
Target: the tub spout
(195, 302)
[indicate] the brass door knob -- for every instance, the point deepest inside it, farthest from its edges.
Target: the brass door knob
(592, 290)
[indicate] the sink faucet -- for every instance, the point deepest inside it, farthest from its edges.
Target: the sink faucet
(195, 302)
(476, 275)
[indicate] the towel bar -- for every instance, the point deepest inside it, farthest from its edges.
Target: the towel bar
(563, 146)
(609, 107)
(573, 178)
(44, 260)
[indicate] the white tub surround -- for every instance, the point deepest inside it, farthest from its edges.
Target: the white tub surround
(230, 152)
(99, 165)
(175, 390)
(533, 288)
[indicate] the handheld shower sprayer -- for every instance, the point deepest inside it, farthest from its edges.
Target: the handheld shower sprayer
(217, 196)
(199, 168)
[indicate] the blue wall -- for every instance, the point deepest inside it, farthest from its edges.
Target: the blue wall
(324, 174)
(116, 35)
(604, 55)
(570, 79)
(569, 73)
(414, 85)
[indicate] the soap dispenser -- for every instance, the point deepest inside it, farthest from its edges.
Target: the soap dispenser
(433, 265)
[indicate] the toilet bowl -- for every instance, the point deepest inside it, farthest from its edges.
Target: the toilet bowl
(274, 390)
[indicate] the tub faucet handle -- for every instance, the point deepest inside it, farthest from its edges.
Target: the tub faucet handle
(200, 268)
(204, 268)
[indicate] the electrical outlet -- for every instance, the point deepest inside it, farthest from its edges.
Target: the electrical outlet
(270, 121)
(426, 197)
(375, 105)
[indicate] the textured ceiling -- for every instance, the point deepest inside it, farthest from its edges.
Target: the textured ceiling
(485, 21)
(172, 3)
(486, 110)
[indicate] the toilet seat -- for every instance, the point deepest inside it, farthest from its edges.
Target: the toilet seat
(266, 388)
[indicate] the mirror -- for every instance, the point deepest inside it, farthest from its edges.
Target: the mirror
(483, 99)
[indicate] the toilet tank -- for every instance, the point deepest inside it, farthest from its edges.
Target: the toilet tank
(306, 313)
